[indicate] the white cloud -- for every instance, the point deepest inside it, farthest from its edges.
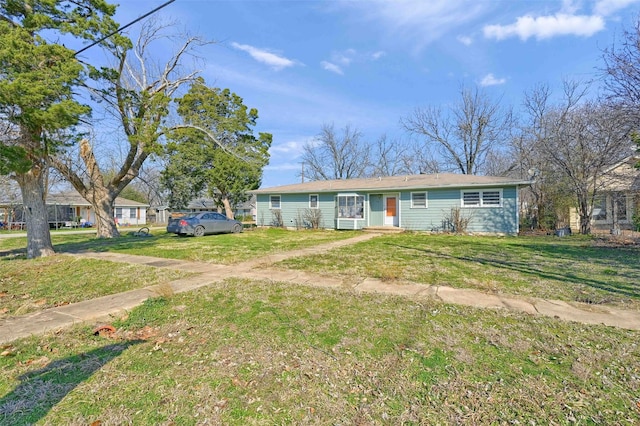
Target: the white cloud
(284, 166)
(289, 149)
(543, 27)
(416, 23)
(275, 61)
(466, 40)
(340, 60)
(608, 7)
(344, 58)
(332, 67)
(491, 80)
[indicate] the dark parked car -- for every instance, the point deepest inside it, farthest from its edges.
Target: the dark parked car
(202, 223)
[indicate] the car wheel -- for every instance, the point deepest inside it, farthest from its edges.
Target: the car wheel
(198, 232)
(237, 228)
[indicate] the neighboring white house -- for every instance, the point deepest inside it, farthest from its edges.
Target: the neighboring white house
(70, 209)
(617, 199)
(242, 210)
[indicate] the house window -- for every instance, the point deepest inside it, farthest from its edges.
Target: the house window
(489, 198)
(600, 208)
(132, 214)
(350, 206)
(419, 200)
(274, 202)
(118, 213)
(313, 201)
(470, 199)
(621, 206)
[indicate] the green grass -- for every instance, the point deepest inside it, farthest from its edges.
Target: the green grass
(267, 353)
(222, 249)
(31, 285)
(570, 269)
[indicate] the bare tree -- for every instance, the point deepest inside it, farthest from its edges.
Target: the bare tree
(388, 157)
(138, 91)
(577, 141)
(622, 76)
(622, 68)
(419, 159)
(334, 156)
(465, 133)
(148, 183)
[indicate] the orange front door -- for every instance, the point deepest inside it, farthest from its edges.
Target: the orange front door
(391, 206)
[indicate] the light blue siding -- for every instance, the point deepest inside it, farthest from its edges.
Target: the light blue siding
(293, 208)
(502, 219)
(440, 202)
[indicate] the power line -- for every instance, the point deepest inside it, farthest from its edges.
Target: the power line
(124, 27)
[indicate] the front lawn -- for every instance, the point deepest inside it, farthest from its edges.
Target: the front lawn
(31, 285)
(265, 353)
(221, 249)
(570, 269)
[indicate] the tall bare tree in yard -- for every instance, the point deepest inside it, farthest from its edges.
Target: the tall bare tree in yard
(38, 79)
(336, 156)
(578, 140)
(138, 92)
(389, 157)
(464, 134)
(622, 77)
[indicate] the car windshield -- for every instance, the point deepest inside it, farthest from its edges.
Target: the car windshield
(190, 215)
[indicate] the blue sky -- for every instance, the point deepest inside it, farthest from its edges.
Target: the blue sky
(364, 63)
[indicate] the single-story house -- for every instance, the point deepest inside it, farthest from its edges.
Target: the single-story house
(416, 202)
(69, 209)
(617, 198)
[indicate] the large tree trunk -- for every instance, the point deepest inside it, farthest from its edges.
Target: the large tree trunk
(102, 202)
(227, 207)
(99, 194)
(35, 212)
(584, 212)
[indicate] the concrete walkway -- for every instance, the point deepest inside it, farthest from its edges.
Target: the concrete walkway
(54, 319)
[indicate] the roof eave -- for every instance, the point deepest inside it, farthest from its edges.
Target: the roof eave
(276, 190)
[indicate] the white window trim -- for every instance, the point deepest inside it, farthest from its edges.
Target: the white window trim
(355, 195)
(426, 200)
(279, 202)
(317, 201)
(480, 193)
(608, 208)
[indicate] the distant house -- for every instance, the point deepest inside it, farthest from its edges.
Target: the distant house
(617, 198)
(242, 210)
(69, 209)
(416, 202)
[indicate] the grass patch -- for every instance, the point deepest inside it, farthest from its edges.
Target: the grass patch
(31, 285)
(571, 269)
(221, 249)
(269, 353)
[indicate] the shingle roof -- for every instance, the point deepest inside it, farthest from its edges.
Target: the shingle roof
(73, 198)
(439, 180)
